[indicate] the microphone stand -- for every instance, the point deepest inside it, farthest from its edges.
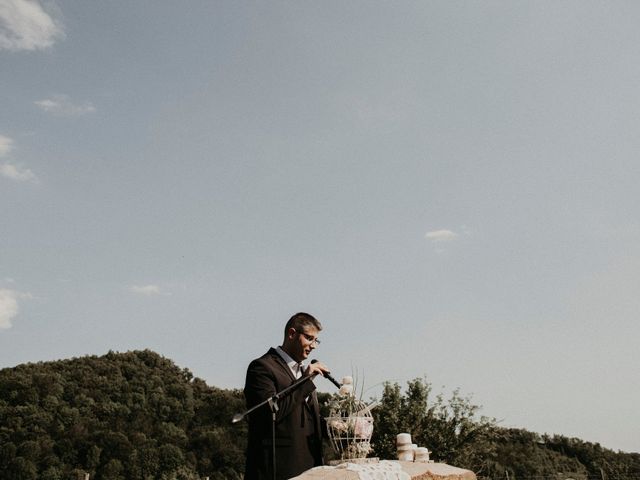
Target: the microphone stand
(273, 405)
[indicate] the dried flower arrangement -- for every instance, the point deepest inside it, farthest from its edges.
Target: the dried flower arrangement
(350, 423)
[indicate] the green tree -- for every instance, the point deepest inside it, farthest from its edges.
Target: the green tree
(450, 428)
(22, 469)
(171, 457)
(112, 470)
(52, 473)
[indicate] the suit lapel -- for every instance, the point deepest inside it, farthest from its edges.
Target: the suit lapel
(278, 360)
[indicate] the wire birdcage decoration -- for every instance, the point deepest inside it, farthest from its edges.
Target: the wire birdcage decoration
(350, 426)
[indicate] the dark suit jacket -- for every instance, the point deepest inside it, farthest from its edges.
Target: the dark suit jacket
(298, 424)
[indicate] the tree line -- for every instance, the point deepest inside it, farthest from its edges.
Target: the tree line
(453, 430)
(138, 416)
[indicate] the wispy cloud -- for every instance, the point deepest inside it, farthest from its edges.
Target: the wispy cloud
(6, 145)
(441, 236)
(10, 170)
(25, 25)
(17, 173)
(9, 307)
(148, 290)
(63, 106)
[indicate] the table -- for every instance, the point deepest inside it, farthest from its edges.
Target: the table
(417, 471)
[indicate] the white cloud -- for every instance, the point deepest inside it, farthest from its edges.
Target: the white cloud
(61, 105)
(9, 169)
(6, 145)
(25, 25)
(441, 236)
(148, 290)
(9, 306)
(17, 173)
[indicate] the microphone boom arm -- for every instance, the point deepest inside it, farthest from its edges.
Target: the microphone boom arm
(272, 400)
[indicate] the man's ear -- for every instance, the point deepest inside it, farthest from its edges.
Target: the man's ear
(291, 333)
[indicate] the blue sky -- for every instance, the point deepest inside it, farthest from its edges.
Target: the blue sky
(450, 187)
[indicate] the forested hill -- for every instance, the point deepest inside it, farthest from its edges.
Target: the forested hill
(138, 416)
(122, 416)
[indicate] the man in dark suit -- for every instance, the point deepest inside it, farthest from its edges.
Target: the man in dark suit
(298, 426)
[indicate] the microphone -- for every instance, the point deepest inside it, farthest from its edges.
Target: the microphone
(328, 376)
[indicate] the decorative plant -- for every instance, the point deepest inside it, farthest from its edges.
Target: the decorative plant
(350, 423)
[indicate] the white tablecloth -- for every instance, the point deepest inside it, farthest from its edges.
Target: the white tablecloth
(384, 470)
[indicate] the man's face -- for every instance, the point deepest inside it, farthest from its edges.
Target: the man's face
(301, 342)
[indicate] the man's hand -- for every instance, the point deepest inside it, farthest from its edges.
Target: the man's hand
(316, 368)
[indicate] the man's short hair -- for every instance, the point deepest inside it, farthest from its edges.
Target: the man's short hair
(301, 320)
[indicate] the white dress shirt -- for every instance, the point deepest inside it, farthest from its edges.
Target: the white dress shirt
(295, 367)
